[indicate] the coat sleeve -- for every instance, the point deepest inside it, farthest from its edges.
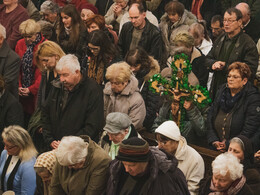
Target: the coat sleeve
(37, 80)
(14, 115)
(212, 136)
(98, 179)
(197, 120)
(162, 116)
(109, 17)
(55, 186)
(137, 111)
(28, 178)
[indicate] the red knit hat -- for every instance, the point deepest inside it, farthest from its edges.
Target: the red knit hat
(86, 5)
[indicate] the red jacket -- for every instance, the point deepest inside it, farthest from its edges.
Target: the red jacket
(29, 102)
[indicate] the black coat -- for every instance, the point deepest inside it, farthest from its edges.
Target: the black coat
(151, 40)
(11, 112)
(246, 114)
(9, 68)
(164, 176)
(83, 113)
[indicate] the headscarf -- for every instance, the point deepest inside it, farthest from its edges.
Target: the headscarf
(46, 160)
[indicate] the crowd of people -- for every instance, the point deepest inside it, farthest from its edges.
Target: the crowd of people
(78, 115)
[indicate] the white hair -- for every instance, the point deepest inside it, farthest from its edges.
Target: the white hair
(2, 31)
(227, 163)
(71, 150)
(69, 61)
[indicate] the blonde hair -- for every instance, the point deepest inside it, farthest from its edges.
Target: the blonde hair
(185, 38)
(29, 27)
(21, 138)
(48, 49)
(120, 71)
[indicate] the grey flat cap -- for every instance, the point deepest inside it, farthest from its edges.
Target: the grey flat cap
(117, 121)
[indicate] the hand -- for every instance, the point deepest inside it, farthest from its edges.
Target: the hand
(257, 155)
(117, 10)
(219, 65)
(221, 146)
(23, 91)
(188, 105)
(40, 130)
(55, 144)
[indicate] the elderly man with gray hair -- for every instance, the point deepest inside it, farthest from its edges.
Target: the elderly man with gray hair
(9, 64)
(82, 167)
(74, 105)
(118, 127)
(50, 11)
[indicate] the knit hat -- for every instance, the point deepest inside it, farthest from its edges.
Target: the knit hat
(133, 149)
(89, 6)
(169, 129)
(117, 121)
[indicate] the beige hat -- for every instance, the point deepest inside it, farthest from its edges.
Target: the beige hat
(169, 129)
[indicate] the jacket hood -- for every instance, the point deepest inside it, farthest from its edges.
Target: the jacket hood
(131, 87)
(182, 149)
(155, 69)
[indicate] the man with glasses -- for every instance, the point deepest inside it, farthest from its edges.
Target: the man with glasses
(233, 45)
(140, 32)
(189, 160)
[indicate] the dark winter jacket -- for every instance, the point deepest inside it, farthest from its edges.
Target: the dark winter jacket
(9, 68)
(151, 40)
(151, 100)
(244, 51)
(245, 116)
(164, 176)
(83, 113)
(11, 112)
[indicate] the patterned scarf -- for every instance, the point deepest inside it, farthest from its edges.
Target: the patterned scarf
(27, 65)
(234, 188)
(227, 102)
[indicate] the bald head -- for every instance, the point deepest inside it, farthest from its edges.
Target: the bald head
(245, 10)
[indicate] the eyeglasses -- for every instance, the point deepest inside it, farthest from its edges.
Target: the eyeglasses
(115, 83)
(27, 36)
(229, 21)
(162, 142)
(215, 29)
(10, 147)
(233, 76)
(93, 48)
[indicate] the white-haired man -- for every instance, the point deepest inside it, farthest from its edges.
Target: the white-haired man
(189, 161)
(74, 105)
(82, 167)
(249, 24)
(9, 64)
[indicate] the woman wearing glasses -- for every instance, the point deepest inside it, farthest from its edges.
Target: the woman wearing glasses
(101, 53)
(236, 109)
(17, 161)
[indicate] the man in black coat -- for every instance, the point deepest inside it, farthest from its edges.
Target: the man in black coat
(234, 45)
(140, 32)
(11, 111)
(74, 106)
(9, 64)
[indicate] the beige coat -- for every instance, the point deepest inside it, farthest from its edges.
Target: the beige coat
(89, 180)
(129, 101)
(191, 164)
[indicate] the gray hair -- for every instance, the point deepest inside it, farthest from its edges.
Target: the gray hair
(2, 31)
(238, 141)
(21, 138)
(69, 61)
(49, 7)
(71, 150)
(227, 163)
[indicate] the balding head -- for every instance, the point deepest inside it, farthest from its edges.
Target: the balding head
(245, 10)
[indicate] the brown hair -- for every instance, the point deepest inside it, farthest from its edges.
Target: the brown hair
(242, 68)
(98, 19)
(174, 7)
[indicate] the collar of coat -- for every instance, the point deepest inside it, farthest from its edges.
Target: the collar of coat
(4, 50)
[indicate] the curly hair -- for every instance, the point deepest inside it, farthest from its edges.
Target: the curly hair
(98, 19)
(242, 68)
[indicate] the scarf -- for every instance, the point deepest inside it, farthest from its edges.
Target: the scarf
(27, 63)
(233, 189)
(227, 102)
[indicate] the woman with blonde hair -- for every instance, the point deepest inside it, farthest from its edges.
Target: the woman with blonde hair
(17, 161)
(30, 76)
(121, 94)
(47, 56)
